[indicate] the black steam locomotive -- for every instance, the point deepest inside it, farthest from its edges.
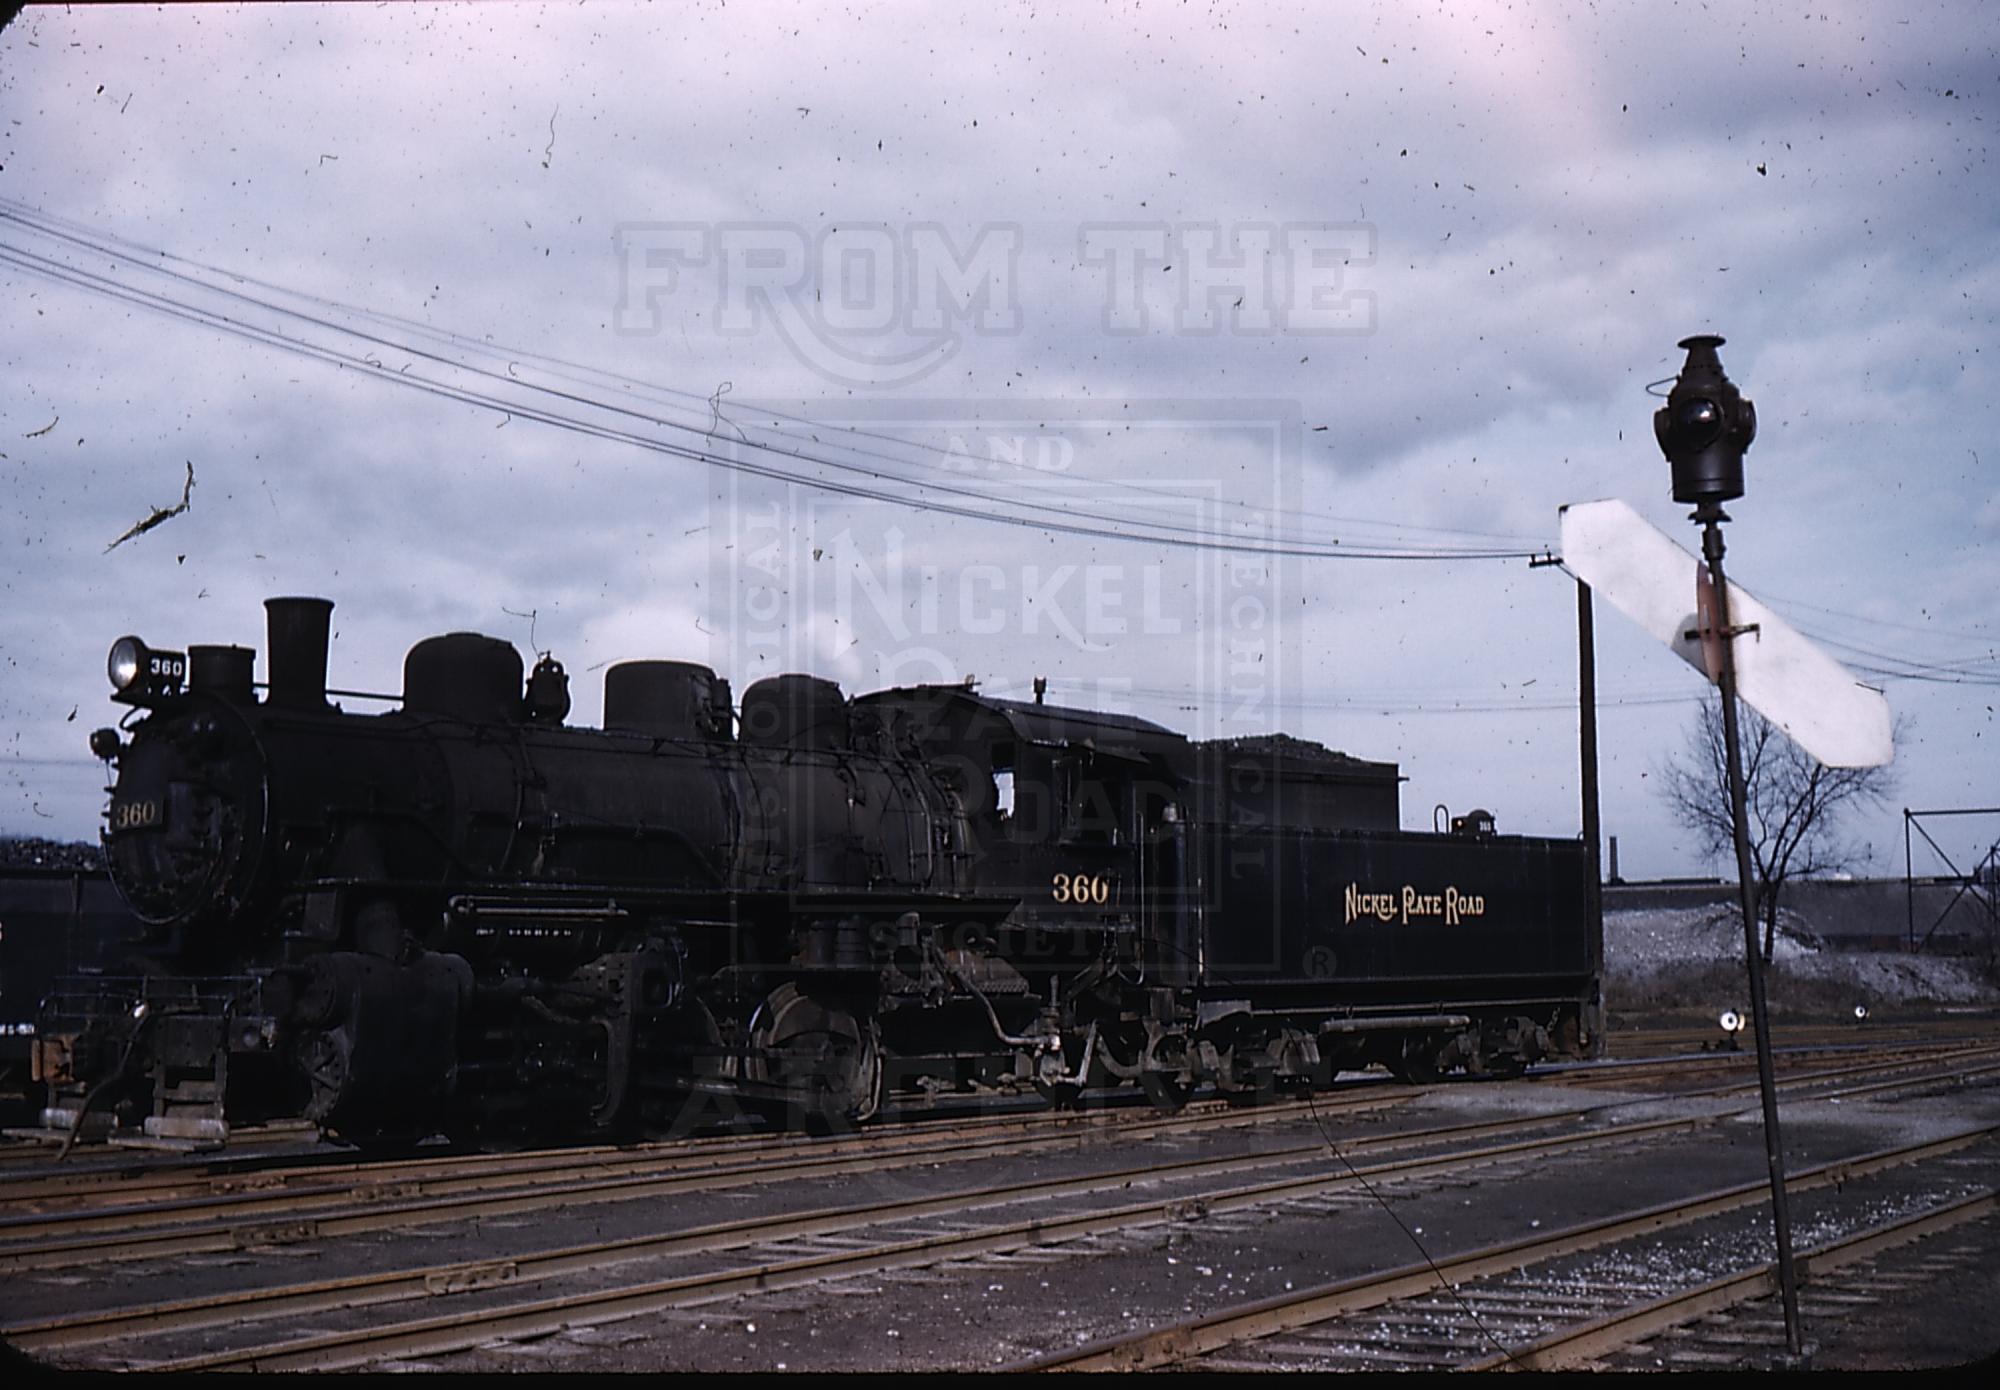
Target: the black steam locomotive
(467, 915)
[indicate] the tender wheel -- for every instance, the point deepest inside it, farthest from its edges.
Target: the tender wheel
(1417, 1064)
(1498, 1065)
(1569, 1037)
(830, 1059)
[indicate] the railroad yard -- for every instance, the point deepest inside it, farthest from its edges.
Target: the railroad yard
(1050, 692)
(1612, 1214)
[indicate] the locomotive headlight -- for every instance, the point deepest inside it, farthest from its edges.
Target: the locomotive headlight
(1731, 1021)
(139, 673)
(126, 664)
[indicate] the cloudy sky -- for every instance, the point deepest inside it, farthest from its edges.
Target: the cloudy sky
(1219, 363)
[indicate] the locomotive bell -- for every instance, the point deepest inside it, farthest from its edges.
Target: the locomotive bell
(1705, 427)
(547, 698)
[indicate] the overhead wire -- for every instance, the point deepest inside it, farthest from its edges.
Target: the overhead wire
(1160, 534)
(1057, 518)
(1061, 518)
(78, 234)
(1929, 631)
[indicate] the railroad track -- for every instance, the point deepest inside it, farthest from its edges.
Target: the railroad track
(1875, 1267)
(1588, 1343)
(1644, 1042)
(163, 1212)
(392, 1197)
(865, 1240)
(102, 1178)
(1790, 1071)
(42, 1223)
(373, 1341)
(156, 1193)
(1439, 1314)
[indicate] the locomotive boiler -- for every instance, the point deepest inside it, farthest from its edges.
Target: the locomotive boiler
(465, 913)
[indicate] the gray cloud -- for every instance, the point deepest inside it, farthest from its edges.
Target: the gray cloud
(1554, 198)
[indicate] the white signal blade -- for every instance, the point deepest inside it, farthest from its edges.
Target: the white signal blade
(1779, 673)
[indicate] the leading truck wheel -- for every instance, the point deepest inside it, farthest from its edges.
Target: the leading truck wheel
(829, 1059)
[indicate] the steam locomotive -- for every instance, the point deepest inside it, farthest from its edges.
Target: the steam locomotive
(466, 914)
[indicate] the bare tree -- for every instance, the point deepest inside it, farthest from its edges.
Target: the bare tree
(1792, 801)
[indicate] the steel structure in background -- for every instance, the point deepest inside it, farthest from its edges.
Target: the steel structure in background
(1982, 883)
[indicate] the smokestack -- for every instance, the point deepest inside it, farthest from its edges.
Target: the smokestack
(296, 653)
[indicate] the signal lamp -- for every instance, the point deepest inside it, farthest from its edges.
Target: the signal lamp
(1705, 427)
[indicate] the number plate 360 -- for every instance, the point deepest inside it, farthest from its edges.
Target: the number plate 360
(134, 815)
(1081, 888)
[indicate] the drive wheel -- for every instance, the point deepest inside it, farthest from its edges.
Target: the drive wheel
(829, 1059)
(323, 1061)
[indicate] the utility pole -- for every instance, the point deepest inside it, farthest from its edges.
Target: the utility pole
(1586, 700)
(1586, 692)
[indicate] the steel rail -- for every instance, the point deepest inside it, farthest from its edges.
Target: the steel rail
(340, 1350)
(1573, 1346)
(1907, 1083)
(248, 1220)
(38, 1194)
(1288, 1312)
(210, 1173)
(1619, 1073)
(223, 1173)
(1816, 1034)
(154, 1190)
(1797, 1081)
(255, 1219)
(394, 1285)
